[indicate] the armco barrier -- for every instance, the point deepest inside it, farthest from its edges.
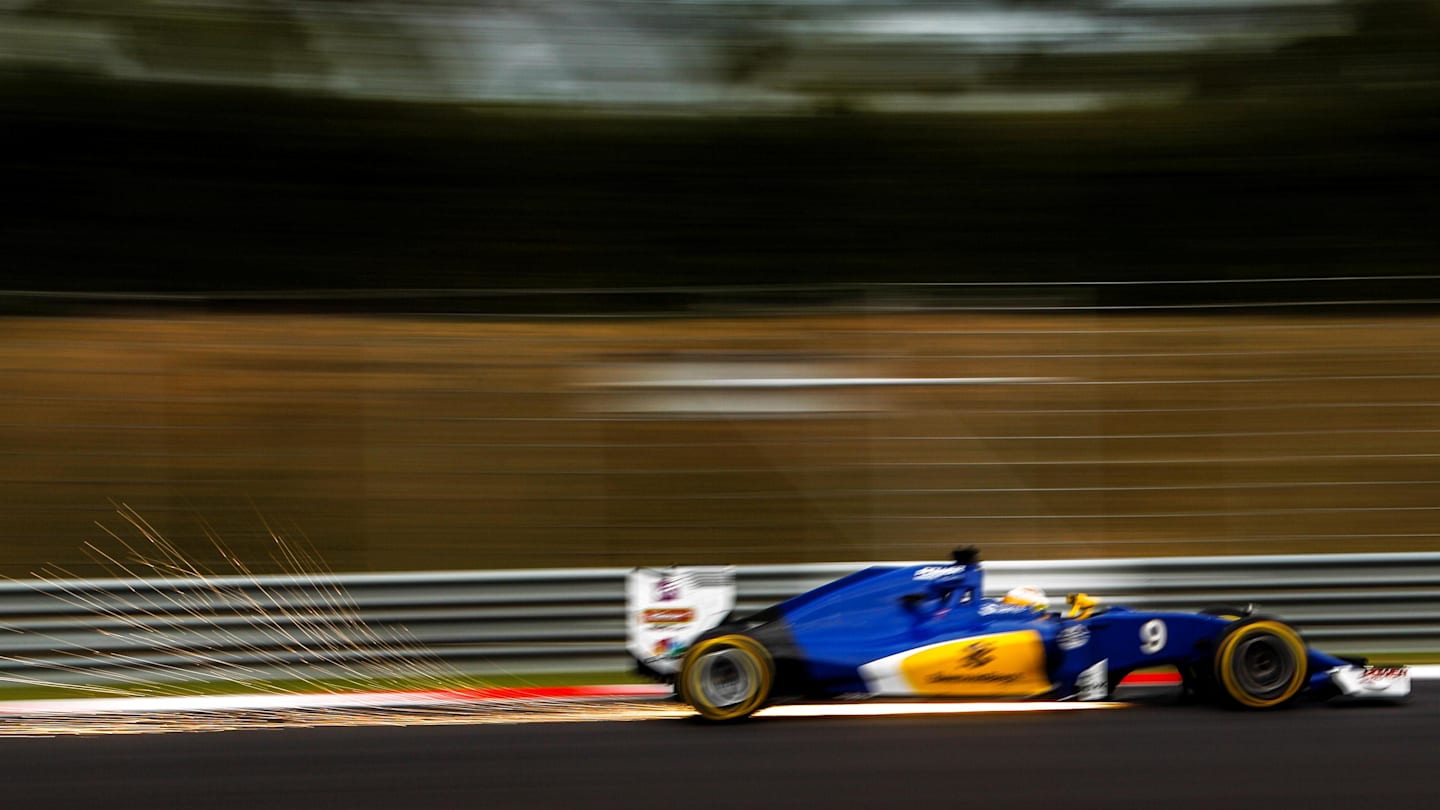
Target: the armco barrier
(369, 625)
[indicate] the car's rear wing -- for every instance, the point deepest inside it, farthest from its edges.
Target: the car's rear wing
(667, 609)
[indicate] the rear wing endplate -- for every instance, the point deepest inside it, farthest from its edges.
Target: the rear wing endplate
(667, 609)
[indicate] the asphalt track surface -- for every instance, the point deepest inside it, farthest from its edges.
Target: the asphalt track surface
(1150, 755)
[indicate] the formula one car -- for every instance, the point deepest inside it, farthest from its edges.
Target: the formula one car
(929, 631)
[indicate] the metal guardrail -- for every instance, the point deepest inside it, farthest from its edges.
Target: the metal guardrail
(392, 625)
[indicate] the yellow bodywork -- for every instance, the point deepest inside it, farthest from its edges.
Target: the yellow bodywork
(1000, 665)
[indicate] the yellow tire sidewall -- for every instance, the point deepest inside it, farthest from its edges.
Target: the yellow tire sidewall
(1226, 657)
(764, 667)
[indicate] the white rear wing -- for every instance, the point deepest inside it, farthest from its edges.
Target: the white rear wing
(667, 609)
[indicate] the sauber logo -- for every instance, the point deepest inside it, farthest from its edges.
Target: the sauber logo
(1073, 637)
(930, 572)
(668, 616)
(998, 664)
(977, 655)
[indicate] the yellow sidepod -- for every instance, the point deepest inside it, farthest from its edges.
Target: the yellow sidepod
(999, 665)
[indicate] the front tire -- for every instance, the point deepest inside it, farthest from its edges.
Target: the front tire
(727, 677)
(1260, 664)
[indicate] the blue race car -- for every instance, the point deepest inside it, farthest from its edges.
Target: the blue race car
(928, 631)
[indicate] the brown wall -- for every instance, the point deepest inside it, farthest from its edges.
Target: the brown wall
(394, 443)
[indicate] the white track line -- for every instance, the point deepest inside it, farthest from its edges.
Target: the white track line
(219, 703)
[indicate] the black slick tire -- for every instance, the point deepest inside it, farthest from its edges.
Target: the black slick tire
(1259, 663)
(726, 678)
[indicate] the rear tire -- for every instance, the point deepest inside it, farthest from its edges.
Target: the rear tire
(1260, 664)
(727, 677)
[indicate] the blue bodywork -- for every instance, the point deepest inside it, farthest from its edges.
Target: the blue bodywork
(821, 638)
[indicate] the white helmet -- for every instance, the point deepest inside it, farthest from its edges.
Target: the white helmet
(1029, 596)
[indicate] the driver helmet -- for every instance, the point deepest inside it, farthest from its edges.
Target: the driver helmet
(1029, 596)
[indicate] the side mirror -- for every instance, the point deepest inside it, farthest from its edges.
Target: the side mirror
(1081, 605)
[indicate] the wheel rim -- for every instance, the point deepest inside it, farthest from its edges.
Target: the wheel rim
(725, 678)
(1264, 666)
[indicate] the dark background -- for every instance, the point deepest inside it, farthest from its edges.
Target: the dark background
(169, 189)
(1234, 288)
